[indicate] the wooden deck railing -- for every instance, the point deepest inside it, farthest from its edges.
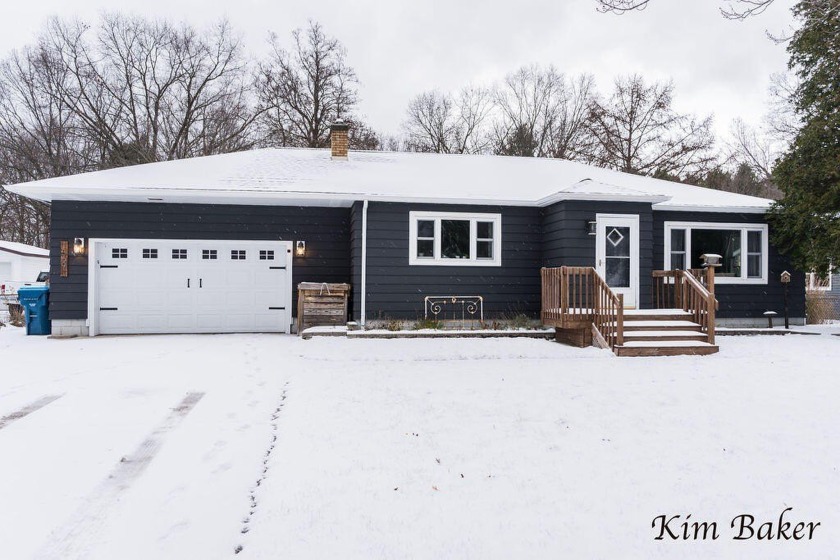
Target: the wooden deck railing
(690, 290)
(608, 318)
(567, 296)
(576, 297)
(666, 292)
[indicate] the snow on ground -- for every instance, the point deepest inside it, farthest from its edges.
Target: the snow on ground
(380, 449)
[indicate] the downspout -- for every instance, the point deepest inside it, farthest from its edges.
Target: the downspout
(364, 263)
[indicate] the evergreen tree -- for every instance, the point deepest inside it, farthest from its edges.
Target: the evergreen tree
(807, 220)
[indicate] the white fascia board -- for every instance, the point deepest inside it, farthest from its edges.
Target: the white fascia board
(299, 198)
(711, 209)
(242, 197)
(601, 197)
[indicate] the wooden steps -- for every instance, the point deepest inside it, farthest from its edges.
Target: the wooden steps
(672, 335)
(662, 332)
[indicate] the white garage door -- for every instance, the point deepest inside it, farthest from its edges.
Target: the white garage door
(153, 286)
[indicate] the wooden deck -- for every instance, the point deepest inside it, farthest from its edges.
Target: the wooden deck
(582, 308)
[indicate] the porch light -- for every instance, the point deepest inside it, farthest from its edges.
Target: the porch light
(79, 247)
(591, 227)
(300, 248)
(710, 259)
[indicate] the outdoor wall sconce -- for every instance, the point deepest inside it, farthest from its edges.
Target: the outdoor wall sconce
(591, 227)
(79, 247)
(300, 248)
(710, 259)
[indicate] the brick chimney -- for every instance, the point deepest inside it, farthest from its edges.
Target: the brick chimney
(338, 139)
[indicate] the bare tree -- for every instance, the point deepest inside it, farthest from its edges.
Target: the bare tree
(638, 131)
(543, 113)
(758, 151)
(39, 137)
(147, 90)
(570, 138)
(129, 90)
(437, 122)
(305, 89)
(734, 9)
(363, 137)
(782, 121)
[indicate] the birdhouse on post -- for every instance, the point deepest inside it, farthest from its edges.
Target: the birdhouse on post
(786, 282)
(711, 260)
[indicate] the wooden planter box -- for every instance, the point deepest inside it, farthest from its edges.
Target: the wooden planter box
(321, 304)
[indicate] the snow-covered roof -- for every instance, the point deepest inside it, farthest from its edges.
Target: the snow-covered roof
(24, 250)
(312, 177)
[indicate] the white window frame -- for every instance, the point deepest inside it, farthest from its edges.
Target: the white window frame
(744, 228)
(437, 260)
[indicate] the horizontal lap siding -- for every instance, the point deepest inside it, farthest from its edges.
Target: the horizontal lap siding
(356, 259)
(566, 242)
(397, 290)
(741, 300)
(325, 230)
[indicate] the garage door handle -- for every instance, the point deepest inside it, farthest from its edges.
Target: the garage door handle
(200, 281)
(188, 282)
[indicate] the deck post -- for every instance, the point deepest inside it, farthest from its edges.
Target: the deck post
(543, 294)
(564, 292)
(710, 279)
(710, 304)
(619, 335)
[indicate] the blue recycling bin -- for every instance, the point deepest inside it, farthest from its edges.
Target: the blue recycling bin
(35, 302)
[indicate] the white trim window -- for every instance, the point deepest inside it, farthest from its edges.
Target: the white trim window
(743, 248)
(454, 239)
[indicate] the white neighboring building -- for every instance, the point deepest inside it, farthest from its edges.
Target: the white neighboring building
(21, 263)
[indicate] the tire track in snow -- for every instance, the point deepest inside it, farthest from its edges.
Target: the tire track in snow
(252, 495)
(73, 539)
(27, 410)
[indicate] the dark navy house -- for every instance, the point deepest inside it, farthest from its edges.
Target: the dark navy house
(219, 243)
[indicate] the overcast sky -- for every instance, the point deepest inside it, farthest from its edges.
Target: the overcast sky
(401, 48)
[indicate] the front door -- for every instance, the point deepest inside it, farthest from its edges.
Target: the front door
(617, 254)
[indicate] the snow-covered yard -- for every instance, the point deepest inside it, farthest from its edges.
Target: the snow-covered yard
(193, 446)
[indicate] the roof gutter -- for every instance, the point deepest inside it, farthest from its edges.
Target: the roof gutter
(22, 254)
(716, 209)
(331, 198)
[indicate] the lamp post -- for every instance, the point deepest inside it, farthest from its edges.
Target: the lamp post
(786, 282)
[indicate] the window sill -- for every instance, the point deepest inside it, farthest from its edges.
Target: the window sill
(454, 262)
(735, 281)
